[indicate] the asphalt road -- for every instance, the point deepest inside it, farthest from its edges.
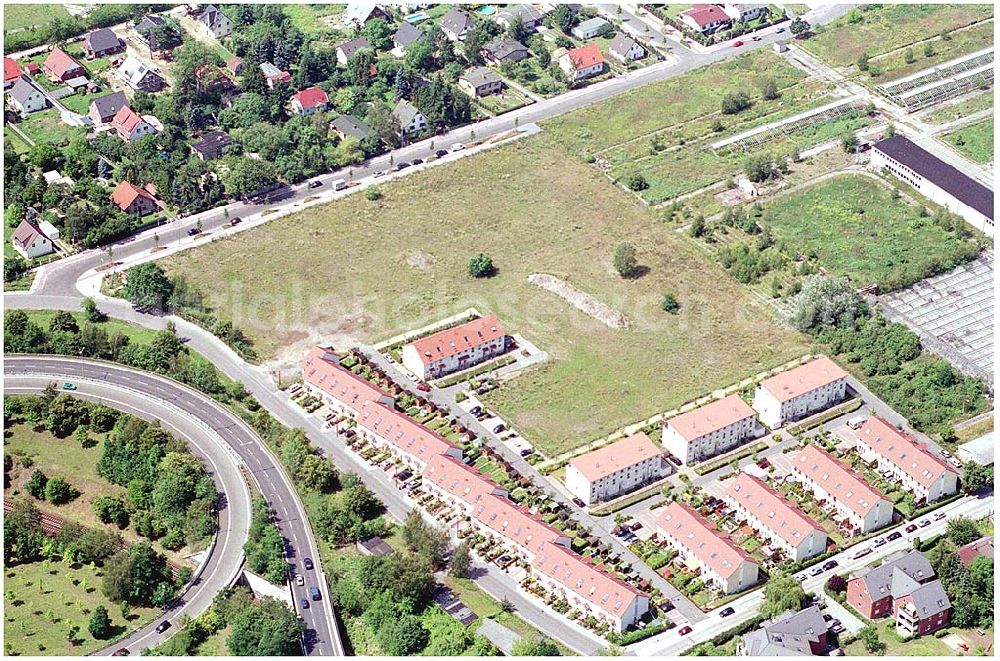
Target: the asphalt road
(198, 418)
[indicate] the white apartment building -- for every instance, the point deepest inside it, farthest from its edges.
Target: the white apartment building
(775, 519)
(858, 505)
(925, 475)
(723, 565)
(800, 392)
(455, 349)
(615, 469)
(709, 430)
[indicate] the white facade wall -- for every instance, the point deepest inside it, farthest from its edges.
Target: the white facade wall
(34, 103)
(615, 484)
(945, 485)
(709, 27)
(932, 191)
(811, 545)
(635, 52)
(741, 579)
(775, 413)
(462, 360)
(40, 246)
(566, 64)
(635, 610)
(708, 445)
(877, 517)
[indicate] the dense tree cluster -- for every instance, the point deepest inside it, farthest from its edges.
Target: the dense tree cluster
(749, 262)
(969, 588)
(138, 576)
(351, 515)
(264, 548)
(826, 302)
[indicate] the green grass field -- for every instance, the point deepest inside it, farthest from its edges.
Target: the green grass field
(16, 16)
(859, 229)
(342, 273)
(922, 646)
(975, 141)
(961, 42)
(964, 108)
(44, 599)
(47, 126)
(881, 28)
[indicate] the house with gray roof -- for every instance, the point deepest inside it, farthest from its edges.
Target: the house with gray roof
(358, 14)
(406, 35)
(349, 126)
(104, 108)
(905, 588)
(411, 120)
(530, 15)
(501, 51)
(25, 98)
(625, 49)
(346, 50)
(592, 27)
(480, 81)
(456, 23)
(790, 634)
(214, 23)
(101, 43)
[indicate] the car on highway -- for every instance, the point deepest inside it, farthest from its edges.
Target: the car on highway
(315, 183)
(235, 221)
(304, 603)
(894, 535)
(162, 626)
(737, 44)
(69, 386)
(829, 565)
(727, 611)
(307, 563)
(756, 37)
(378, 173)
(911, 527)
(685, 630)
(299, 580)
(441, 153)
(314, 593)
(458, 146)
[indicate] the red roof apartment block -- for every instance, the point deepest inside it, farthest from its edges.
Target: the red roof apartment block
(451, 341)
(615, 457)
(805, 378)
(711, 417)
(903, 451)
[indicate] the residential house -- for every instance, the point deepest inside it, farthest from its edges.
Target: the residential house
(133, 200)
(405, 35)
(411, 120)
(625, 49)
(274, 76)
(615, 469)
(130, 126)
(349, 126)
(101, 43)
(724, 566)
(709, 430)
(213, 80)
(212, 145)
(940, 182)
(11, 72)
(30, 241)
(501, 51)
(214, 23)
(530, 15)
(582, 63)
(927, 476)
(346, 50)
(139, 76)
(455, 349)
(480, 81)
(25, 97)
(704, 19)
(859, 507)
(790, 634)
(800, 392)
(148, 33)
(456, 23)
(904, 587)
(981, 547)
(104, 108)
(308, 101)
(235, 65)
(358, 14)
(744, 13)
(60, 67)
(590, 28)
(775, 519)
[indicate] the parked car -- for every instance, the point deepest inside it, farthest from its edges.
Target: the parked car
(69, 386)
(628, 536)
(923, 523)
(827, 617)
(578, 502)
(635, 526)
(339, 184)
(526, 452)
(816, 571)
(315, 183)
(441, 153)
(378, 173)
(939, 516)
(830, 564)
(756, 37)
(304, 603)
(307, 563)
(911, 527)
(162, 626)
(894, 535)
(121, 651)
(737, 44)
(945, 453)
(314, 593)
(878, 542)
(862, 552)
(475, 410)
(235, 221)
(779, 30)
(423, 387)
(458, 146)
(194, 231)
(417, 161)
(837, 628)
(402, 165)
(685, 630)
(727, 611)
(499, 428)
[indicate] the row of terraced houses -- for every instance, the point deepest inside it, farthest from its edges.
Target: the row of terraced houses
(486, 505)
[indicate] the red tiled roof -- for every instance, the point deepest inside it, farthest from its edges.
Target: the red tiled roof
(780, 517)
(322, 369)
(584, 57)
(26, 233)
(59, 62)
(125, 194)
(912, 458)
(125, 120)
(710, 418)
(311, 97)
(451, 341)
(458, 479)
(842, 483)
(578, 575)
(615, 457)
(702, 539)
(11, 70)
(972, 550)
(805, 378)
(705, 14)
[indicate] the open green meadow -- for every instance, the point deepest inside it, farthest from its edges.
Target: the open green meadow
(975, 141)
(18, 17)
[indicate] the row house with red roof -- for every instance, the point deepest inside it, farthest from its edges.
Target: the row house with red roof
(799, 392)
(723, 565)
(775, 519)
(582, 63)
(455, 349)
(709, 430)
(860, 507)
(615, 469)
(928, 476)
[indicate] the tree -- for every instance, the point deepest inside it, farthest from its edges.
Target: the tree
(869, 636)
(928, 49)
(402, 636)
(734, 102)
(799, 27)
(100, 623)
(22, 534)
(625, 261)
(316, 473)
(65, 414)
(769, 89)
(269, 629)
(91, 312)
(427, 541)
(461, 561)
(13, 268)
(758, 167)
(782, 593)
(148, 286)
(824, 302)
(35, 484)
(111, 509)
(58, 491)
(378, 33)
(697, 228)
(669, 303)
(635, 180)
(863, 61)
(563, 17)
(836, 584)
(481, 266)
(962, 530)
(849, 142)
(529, 647)
(976, 477)
(139, 576)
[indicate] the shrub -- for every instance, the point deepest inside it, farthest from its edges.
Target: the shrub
(481, 266)
(624, 260)
(669, 303)
(373, 193)
(635, 181)
(758, 167)
(734, 102)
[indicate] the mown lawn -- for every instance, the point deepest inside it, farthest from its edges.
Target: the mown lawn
(46, 599)
(970, 106)
(18, 16)
(877, 29)
(859, 230)
(47, 126)
(975, 141)
(342, 274)
(922, 646)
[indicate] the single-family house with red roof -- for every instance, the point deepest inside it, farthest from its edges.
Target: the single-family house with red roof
(60, 67)
(133, 200)
(582, 63)
(11, 72)
(705, 18)
(310, 100)
(30, 241)
(130, 126)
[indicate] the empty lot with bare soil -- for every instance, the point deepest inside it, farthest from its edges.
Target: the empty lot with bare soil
(342, 273)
